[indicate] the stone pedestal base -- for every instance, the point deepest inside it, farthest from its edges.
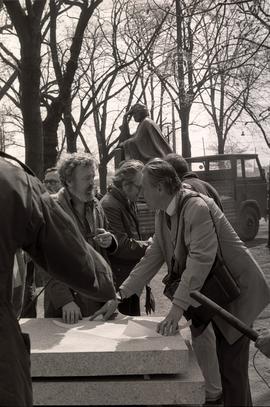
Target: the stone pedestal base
(185, 389)
(121, 362)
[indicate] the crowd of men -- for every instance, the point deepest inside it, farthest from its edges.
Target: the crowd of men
(103, 238)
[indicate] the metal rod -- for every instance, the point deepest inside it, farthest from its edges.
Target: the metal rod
(227, 316)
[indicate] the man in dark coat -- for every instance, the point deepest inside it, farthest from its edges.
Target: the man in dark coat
(31, 220)
(119, 205)
(147, 142)
(191, 179)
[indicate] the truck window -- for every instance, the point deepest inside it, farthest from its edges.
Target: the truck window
(220, 165)
(239, 169)
(197, 166)
(251, 168)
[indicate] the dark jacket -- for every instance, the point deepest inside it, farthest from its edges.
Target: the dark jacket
(57, 293)
(198, 185)
(123, 221)
(32, 221)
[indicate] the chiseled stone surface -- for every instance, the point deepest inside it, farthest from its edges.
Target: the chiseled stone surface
(184, 389)
(126, 346)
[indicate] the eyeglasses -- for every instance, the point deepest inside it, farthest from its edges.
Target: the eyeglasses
(132, 184)
(50, 181)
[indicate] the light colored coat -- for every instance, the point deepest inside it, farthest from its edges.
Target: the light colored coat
(201, 245)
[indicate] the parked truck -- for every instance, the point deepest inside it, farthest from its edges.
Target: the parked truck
(241, 183)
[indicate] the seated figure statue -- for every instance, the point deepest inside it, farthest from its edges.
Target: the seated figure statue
(147, 142)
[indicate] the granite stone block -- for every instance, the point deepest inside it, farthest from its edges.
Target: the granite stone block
(181, 389)
(126, 346)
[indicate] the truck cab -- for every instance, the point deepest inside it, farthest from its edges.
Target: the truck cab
(241, 183)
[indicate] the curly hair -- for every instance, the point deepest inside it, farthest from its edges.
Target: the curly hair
(127, 172)
(67, 165)
(160, 171)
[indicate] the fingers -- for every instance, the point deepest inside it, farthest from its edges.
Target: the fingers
(107, 310)
(71, 316)
(108, 315)
(168, 328)
(97, 313)
(103, 239)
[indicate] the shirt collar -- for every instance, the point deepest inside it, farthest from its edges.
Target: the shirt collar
(171, 209)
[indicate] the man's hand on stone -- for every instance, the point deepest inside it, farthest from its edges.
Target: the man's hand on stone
(71, 313)
(106, 311)
(103, 238)
(169, 326)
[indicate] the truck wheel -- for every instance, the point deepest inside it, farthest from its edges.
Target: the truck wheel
(249, 224)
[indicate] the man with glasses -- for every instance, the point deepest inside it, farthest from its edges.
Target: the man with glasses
(52, 181)
(119, 205)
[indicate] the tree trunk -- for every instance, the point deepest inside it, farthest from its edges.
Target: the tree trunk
(69, 133)
(30, 103)
(186, 146)
(221, 143)
(102, 168)
(50, 126)
(28, 29)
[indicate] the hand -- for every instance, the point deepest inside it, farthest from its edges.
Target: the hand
(71, 313)
(107, 310)
(263, 343)
(103, 238)
(169, 326)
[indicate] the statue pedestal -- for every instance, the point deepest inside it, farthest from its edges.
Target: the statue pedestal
(120, 362)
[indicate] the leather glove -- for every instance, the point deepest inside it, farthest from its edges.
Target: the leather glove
(150, 304)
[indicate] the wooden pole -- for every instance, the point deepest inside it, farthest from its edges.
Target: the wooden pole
(227, 316)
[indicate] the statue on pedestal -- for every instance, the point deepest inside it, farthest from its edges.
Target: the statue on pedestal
(147, 142)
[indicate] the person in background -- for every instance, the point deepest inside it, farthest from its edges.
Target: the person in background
(77, 198)
(35, 277)
(32, 221)
(204, 344)
(119, 205)
(190, 179)
(189, 238)
(147, 142)
(51, 180)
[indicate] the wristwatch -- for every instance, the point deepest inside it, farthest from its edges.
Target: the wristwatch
(119, 296)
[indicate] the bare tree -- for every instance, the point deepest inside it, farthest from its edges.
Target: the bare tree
(65, 74)
(109, 69)
(228, 90)
(27, 23)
